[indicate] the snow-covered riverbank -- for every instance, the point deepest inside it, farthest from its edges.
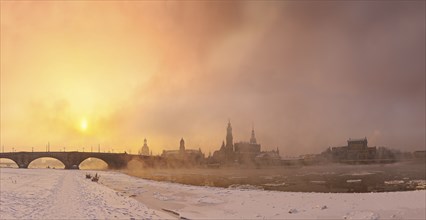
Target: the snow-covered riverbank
(66, 194)
(63, 194)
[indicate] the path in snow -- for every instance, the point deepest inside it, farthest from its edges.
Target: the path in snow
(64, 194)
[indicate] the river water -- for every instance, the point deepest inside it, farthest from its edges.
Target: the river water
(319, 178)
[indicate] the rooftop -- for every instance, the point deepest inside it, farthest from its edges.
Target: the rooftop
(357, 139)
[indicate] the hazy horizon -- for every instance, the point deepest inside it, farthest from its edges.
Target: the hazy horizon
(308, 75)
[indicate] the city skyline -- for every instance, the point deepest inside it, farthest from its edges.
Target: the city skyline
(308, 76)
(161, 149)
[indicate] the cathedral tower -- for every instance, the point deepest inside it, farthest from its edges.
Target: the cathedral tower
(182, 146)
(253, 137)
(229, 138)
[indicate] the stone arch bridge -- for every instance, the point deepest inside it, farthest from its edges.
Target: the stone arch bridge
(72, 160)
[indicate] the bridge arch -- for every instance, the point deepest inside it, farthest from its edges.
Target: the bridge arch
(114, 161)
(71, 160)
(51, 164)
(7, 162)
(93, 163)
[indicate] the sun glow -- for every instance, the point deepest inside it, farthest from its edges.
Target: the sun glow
(83, 124)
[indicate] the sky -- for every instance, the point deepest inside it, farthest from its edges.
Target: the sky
(307, 75)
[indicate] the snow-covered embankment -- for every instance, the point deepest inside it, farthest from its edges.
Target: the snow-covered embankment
(66, 194)
(63, 194)
(196, 202)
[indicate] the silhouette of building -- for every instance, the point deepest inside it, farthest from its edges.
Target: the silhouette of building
(182, 146)
(268, 157)
(419, 154)
(247, 151)
(242, 152)
(357, 149)
(183, 156)
(145, 149)
(229, 138)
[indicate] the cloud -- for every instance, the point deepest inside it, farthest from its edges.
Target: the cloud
(308, 75)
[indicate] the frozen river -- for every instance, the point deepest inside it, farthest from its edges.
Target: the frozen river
(67, 194)
(325, 178)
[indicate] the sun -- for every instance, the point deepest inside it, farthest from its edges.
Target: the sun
(83, 124)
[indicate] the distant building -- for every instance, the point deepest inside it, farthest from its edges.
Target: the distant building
(357, 149)
(247, 151)
(145, 149)
(382, 153)
(243, 152)
(183, 156)
(226, 152)
(419, 154)
(268, 157)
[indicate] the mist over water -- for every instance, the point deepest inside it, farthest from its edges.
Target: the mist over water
(321, 178)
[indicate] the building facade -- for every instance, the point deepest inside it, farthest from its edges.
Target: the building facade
(357, 149)
(268, 158)
(183, 156)
(247, 151)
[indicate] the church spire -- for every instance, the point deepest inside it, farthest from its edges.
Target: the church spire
(182, 145)
(229, 138)
(253, 136)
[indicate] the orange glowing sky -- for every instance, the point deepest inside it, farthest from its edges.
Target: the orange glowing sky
(308, 75)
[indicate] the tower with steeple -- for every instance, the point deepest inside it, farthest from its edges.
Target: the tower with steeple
(229, 138)
(245, 152)
(145, 149)
(182, 146)
(253, 137)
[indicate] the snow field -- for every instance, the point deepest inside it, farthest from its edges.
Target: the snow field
(64, 194)
(67, 194)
